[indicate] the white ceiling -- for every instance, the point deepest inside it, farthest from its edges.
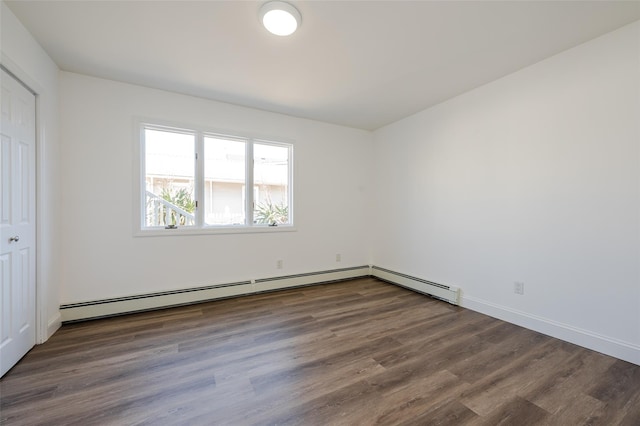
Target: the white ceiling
(362, 64)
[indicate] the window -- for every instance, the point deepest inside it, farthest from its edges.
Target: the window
(193, 180)
(170, 170)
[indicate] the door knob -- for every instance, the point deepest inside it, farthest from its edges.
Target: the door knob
(14, 239)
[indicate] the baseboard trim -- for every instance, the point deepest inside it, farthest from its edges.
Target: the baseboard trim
(606, 345)
(53, 325)
(74, 312)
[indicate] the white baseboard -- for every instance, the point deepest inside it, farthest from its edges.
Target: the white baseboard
(606, 345)
(144, 302)
(53, 325)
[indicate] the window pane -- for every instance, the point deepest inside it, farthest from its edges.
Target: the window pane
(224, 181)
(271, 183)
(169, 178)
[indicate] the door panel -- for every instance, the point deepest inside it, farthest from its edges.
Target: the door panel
(5, 289)
(5, 176)
(23, 182)
(17, 222)
(24, 289)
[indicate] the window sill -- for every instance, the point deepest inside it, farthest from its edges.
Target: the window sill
(212, 230)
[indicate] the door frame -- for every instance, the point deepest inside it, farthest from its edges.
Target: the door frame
(42, 327)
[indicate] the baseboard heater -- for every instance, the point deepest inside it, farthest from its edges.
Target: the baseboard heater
(447, 293)
(82, 311)
(145, 302)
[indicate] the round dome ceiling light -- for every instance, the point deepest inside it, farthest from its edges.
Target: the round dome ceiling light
(280, 18)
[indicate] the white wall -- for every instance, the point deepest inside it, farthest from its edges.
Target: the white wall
(102, 258)
(24, 57)
(532, 178)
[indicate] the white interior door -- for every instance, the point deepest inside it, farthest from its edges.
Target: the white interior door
(17, 222)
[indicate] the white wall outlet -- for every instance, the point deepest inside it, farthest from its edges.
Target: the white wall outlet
(518, 287)
(338, 257)
(279, 264)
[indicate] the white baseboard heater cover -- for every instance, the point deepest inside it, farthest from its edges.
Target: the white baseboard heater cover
(447, 293)
(145, 302)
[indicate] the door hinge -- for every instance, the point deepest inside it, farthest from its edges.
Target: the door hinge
(196, 204)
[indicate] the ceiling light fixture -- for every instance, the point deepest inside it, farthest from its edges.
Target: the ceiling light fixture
(280, 18)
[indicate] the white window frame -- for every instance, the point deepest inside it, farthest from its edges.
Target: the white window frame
(200, 227)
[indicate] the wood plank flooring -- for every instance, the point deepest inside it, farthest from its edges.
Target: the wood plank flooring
(359, 352)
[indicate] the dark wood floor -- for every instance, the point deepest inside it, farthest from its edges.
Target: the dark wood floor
(360, 352)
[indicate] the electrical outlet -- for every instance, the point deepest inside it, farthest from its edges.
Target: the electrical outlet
(518, 287)
(338, 257)
(279, 264)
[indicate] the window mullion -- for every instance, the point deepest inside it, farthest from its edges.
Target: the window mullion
(199, 180)
(249, 208)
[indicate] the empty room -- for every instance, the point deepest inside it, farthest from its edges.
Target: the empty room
(320, 212)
